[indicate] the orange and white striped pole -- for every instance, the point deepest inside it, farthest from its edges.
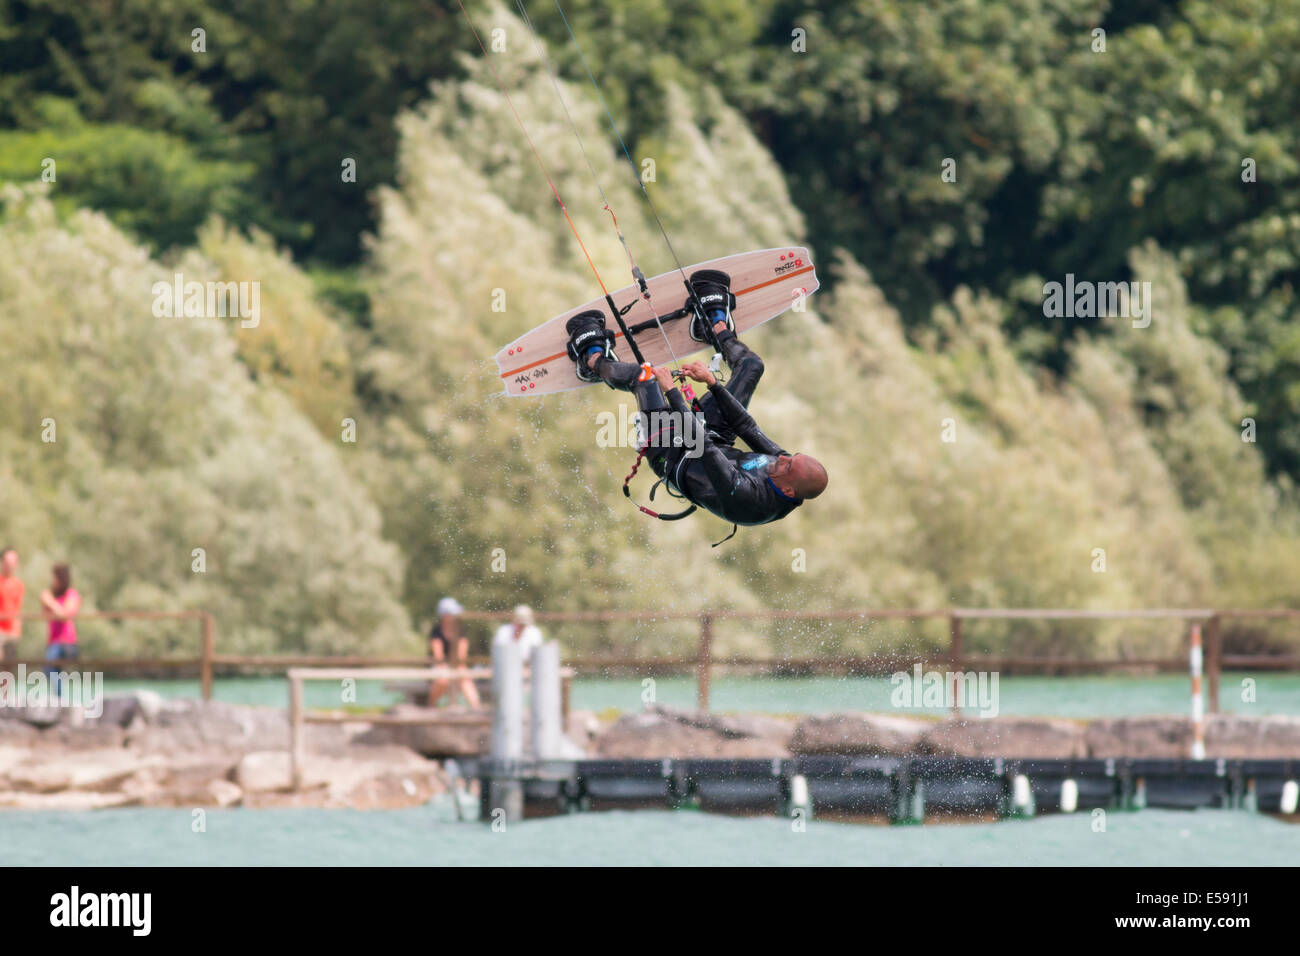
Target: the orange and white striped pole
(1198, 699)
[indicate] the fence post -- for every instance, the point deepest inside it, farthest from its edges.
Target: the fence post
(295, 729)
(705, 659)
(954, 658)
(205, 665)
(1198, 704)
(1214, 642)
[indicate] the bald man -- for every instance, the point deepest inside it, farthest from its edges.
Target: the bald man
(700, 462)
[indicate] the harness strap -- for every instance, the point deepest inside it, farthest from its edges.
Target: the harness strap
(627, 491)
(734, 528)
(641, 453)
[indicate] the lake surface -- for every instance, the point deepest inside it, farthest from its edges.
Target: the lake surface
(1090, 696)
(430, 835)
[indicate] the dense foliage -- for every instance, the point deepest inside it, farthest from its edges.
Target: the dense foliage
(378, 305)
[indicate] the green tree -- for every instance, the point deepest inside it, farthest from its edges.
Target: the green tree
(132, 439)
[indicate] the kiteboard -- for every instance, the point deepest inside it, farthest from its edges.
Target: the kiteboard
(765, 283)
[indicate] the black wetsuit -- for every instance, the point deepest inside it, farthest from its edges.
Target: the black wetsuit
(703, 465)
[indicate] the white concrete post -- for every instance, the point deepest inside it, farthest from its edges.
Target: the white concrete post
(508, 694)
(546, 721)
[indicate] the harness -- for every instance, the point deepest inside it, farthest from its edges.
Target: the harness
(627, 491)
(673, 487)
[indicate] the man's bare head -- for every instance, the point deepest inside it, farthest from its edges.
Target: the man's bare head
(800, 476)
(808, 476)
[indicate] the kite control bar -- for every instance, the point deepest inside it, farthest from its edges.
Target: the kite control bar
(627, 333)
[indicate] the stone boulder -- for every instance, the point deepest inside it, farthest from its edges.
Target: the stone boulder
(218, 793)
(1152, 737)
(198, 783)
(11, 756)
(390, 790)
(187, 725)
(734, 726)
(583, 727)
(94, 735)
(17, 732)
(48, 770)
(63, 800)
(1004, 737)
(433, 740)
(662, 732)
(264, 770)
(367, 777)
(118, 710)
(115, 710)
(39, 717)
(123, 710)
(1231, 735)
(858, 735)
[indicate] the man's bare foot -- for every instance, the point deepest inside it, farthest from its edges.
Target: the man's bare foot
(719, 326)
(591, 359)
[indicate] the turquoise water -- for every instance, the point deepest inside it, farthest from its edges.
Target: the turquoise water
(263, 691)
(431, 836)
(1024, 696)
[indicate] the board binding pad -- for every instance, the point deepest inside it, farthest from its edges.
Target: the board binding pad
(765, 282)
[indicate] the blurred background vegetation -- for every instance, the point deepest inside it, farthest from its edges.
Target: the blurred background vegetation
(1073, 434)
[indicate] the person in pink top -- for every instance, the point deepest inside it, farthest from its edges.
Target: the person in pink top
(61, 602)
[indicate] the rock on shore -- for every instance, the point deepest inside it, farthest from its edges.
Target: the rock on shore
(144, 751)
(858, 734)
(664, 732)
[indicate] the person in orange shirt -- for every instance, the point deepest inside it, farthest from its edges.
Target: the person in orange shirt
(11, 605)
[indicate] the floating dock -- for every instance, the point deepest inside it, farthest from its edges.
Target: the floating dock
(902, 790)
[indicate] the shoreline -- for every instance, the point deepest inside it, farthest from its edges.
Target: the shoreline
(146, 751)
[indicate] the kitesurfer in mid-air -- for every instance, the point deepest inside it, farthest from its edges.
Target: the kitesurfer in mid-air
(698, 461)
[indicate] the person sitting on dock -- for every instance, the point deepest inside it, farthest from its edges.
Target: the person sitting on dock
(521, 630)
(448, 645)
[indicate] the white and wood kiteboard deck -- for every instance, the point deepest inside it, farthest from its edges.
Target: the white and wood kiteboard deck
(765, 282)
